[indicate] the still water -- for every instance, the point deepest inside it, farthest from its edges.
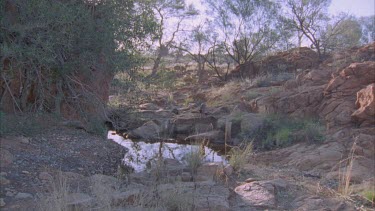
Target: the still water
(139, 153)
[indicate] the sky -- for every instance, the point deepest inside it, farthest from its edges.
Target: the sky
(354, 7)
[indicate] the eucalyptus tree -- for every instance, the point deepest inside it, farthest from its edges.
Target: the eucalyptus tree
(248, 28)
(170, 15)
(48, 46)
(343, 32)
(308, 17)
(368, 29)
(202, 44)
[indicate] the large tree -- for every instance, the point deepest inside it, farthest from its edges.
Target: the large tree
(170, 15)
(248, 28)
(48, 47)
(368, 29)
(343, 32)
(308, 17)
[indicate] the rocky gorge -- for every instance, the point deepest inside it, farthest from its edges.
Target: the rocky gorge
(328, 147)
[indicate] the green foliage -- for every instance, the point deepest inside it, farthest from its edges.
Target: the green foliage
(96, 126)
(345, 32)
(194, 160)
(281, 131)
(28, 124)
(369, 195)
(164, 79)
(238, 156)
(54, 44)
(247, 36)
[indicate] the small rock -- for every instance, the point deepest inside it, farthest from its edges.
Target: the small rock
(25, 172)
(257, 194)
(45, 176)
(228, 170)
(24, 140)
(79, 199)
(4, 181)
(23, 196)
(9, 193)
(6, 158)
(4, 174)
(185, 177)
(249, 180)
(2, 203)
(81, 169)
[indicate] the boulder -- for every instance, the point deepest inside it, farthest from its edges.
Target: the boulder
(208, 171)
(256, 194)
(45, 176)
(104, 180)
(23, 196)
(149, 106)
(78, 201)
(245, 123)
(190, 123)
(216, 137)
(318, 203)
(6, 158)
(340, 95)
(250, 123)
(150, 130)
(4, 181)
(365, 104)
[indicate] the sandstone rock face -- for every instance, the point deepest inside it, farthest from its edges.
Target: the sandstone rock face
(317, 203)
(290, 61)
(340, 93)
(149, 106)
(190, 123)
(208, 171)
(241, 122)
(215, 136)
(257, 194)
(365, 114)
(6, 158)
(150, 130)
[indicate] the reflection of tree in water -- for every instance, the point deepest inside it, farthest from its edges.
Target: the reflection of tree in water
(141, 154)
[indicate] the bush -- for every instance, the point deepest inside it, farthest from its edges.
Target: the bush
(281, 131)
(238, 156)
(27, 124)
(369, 195)
(164, 79)
(194, 159)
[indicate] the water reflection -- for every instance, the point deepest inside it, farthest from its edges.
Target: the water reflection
(140, 153)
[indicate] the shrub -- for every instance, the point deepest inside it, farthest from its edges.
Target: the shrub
(282, 131)
(238, 156)
(194, 159)
(369, 195)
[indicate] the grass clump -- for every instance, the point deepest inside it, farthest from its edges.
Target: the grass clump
(194, 159)
(281, 131)
(369, 195)
(25, 124)
(58, 196)
(238, 156)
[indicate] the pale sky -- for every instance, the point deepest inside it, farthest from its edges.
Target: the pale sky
(354, 7)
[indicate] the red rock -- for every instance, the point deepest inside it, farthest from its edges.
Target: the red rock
(365, 114)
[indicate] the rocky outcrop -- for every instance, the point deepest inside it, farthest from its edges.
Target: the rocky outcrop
(340, 94)
(288, 61)
(365, 104)
(149, 131)
(257, 194)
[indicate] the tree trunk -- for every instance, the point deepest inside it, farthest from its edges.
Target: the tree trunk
(156, 65)
(58, 97)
